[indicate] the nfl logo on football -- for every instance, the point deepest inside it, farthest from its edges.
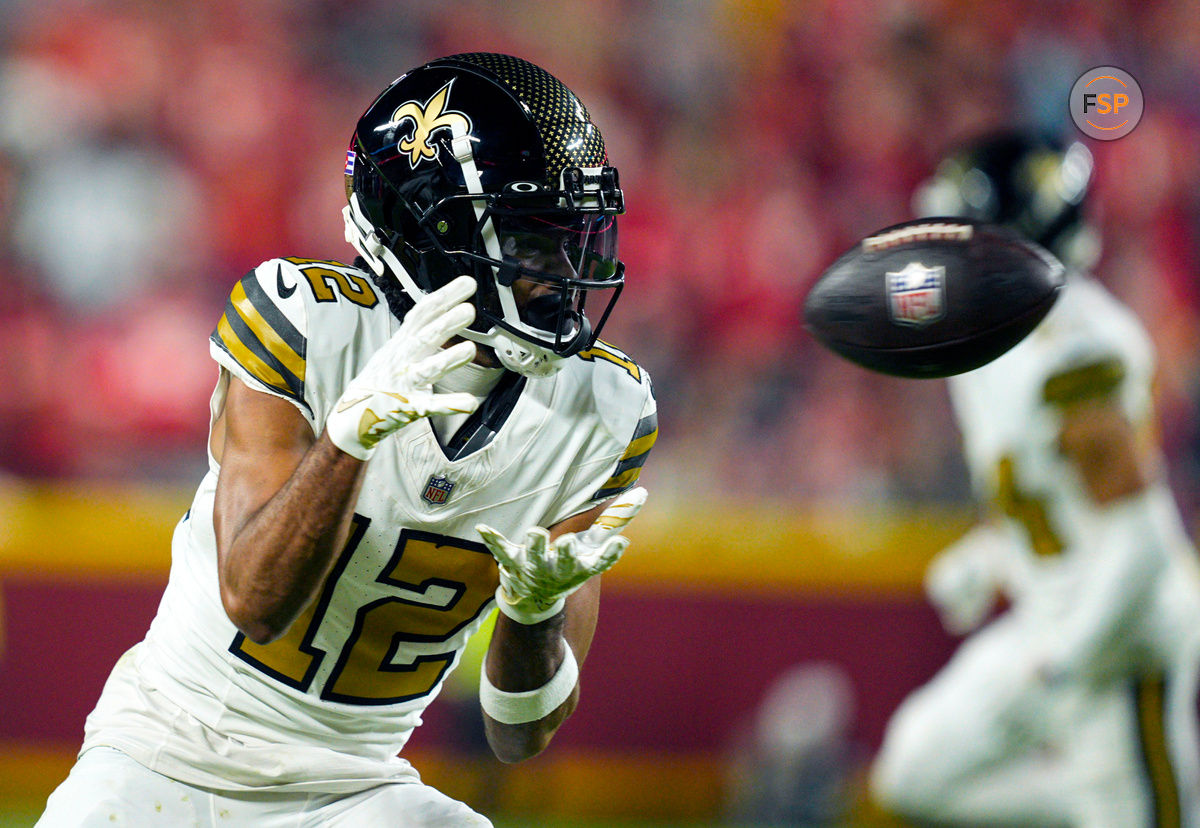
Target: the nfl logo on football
(437, 490)
(916, 294)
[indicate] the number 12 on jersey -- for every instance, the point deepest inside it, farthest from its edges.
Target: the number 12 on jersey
(437, 585)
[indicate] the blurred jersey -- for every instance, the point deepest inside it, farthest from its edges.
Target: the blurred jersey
(1076, 707)
(1010, 413)
(330, 704)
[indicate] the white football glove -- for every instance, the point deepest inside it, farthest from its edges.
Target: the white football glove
(537, 576)
(965, 580)
(395, 387)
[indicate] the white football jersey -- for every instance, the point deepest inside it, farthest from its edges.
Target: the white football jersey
(1009, 415)
(330, 704)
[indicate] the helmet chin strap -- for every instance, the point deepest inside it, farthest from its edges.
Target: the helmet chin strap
(361, 235)
(516, 354)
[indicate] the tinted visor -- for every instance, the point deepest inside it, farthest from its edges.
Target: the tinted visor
(552, 262)
(580, 247)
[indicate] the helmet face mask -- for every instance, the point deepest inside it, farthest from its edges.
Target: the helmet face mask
(549, 264)
(485, 164)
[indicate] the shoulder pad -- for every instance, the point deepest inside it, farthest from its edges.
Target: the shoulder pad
(602, 352)
(625, 399)
(331, 282)
(620, 386)
(264, 334)
(264, 329)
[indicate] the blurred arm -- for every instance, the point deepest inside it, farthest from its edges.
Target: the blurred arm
(966, 579)
(1119, 474)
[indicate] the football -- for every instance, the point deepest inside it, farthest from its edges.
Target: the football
(932, 297)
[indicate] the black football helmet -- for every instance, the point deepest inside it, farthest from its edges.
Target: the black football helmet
(486, 164)
(1030, 182)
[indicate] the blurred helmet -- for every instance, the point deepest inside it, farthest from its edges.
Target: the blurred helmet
(1032, 183)
(486, 164)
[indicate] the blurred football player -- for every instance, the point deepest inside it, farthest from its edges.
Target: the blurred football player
(1074, 707)
(397, 446)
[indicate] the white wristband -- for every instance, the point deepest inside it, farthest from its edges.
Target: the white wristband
(527, 616)
(530, 705)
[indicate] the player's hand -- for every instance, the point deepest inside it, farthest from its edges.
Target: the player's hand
(537, 576)
(963, 583)
(395, 387)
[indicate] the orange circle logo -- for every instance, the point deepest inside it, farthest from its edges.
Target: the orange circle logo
(1106, 103)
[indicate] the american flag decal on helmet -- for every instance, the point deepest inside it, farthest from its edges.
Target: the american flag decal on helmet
(437, 490)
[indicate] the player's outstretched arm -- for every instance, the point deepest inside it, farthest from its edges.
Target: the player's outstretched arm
(549, 596)
(965, 580)
(284, 499)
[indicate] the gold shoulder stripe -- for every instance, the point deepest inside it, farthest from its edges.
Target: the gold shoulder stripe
(621, 482)
(261, 339)
(1096, 380)
(629, 467)
(640, 446)
(290, 354)
(643, 436)
(228, 340)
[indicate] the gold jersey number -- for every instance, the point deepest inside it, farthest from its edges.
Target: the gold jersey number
(324, 276)
(437, 586)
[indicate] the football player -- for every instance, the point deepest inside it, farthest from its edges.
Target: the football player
(396, 447)
(1074, 707)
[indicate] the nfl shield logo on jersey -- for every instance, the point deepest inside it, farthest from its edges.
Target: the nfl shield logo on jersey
(916, 294)
(437, 490)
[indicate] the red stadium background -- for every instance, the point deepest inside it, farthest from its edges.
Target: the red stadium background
(152, 153)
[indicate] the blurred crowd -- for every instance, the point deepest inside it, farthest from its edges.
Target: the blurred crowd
(151, 153)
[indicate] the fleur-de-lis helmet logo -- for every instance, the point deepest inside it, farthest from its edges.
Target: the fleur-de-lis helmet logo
(427, 119)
